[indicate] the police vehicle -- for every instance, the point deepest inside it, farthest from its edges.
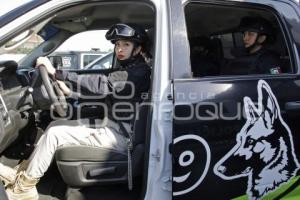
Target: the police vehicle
(212, 136)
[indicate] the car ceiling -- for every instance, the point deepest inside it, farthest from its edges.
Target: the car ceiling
(101, 16)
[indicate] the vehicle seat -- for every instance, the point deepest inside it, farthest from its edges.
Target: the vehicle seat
(217, 49)
(82, 166)
(205, 56)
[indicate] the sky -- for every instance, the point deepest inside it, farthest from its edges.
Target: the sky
(86, 41)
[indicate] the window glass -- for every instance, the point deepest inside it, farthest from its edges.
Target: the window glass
(235, 41)
(104, 62)
(89, 58)
(81, 49)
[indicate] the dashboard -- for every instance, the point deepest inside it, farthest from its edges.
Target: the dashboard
(15, 104)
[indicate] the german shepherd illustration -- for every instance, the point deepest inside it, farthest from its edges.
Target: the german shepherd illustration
(264, 150)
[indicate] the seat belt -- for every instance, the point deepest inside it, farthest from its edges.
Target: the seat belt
(129, 147)
(129, 152)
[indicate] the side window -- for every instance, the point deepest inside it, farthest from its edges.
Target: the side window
(239, 41)
(80, 50)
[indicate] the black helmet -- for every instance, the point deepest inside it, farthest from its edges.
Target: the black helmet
(256, 24)
(130, 32)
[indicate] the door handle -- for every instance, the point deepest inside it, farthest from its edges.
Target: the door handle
(292, 106)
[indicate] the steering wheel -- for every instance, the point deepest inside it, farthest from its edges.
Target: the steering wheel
(57, 97)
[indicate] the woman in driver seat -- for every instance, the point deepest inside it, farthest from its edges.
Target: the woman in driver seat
(133, 77)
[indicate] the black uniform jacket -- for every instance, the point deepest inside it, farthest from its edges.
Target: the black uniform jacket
(124, 86)
(261, 62)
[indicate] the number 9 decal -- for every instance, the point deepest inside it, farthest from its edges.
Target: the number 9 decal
(192, 163)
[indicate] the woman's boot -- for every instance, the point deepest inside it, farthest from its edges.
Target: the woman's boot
(24, 188)
(7, 175)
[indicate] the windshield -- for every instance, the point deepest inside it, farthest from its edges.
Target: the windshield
(11, 5)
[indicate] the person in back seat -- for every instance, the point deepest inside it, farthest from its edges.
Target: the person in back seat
(257, 33)
(129, 83)
(202, 59)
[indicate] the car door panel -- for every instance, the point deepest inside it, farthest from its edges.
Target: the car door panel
(219, 118)
(236, 137)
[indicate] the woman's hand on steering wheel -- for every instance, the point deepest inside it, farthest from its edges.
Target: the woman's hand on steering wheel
(53, 88)
(64, 88)
(48, 65)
